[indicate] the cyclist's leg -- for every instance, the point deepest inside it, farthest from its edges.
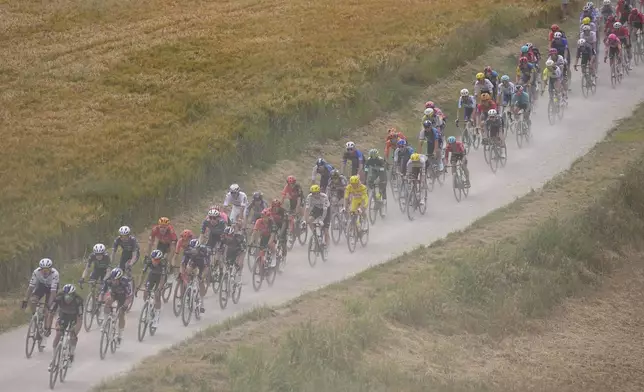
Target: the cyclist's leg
(382, 178)
(466, 171)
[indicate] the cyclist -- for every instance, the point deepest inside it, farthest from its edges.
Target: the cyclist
(222, 213)
(215, 225)
(521, 100)
(265, 231)
(589, 36)
(588, 12)
(527, 75)
(621, 32)
(608, 26)
(235, 243)
(588, 22)
(482, 85)
(101, 262)
(356, 193)
(506, 91)
(318, 208)
(561, 63)
(255, 208)
(494, 126)
(416, 169)
(535, 53)
(376, 170)
(120, 288)
(280, 224)
(493, 77)
(293, 193)
(163, 238)
(336, 186)
(457, 149)
(636, 20)
(552, 76)
(607, 10)
(158, 267)
(401, 156)
(184, 241)
(355, 156)
(70, 315)
(468, 103)
(430, 135)
(239, 201)
(324, 170)
(484, 107)
(44, 282)
(586, 52)
(130, 248)
(437, 112)
(623, 9)
(431, 115)
(554, 29)
(196, 255)
(613, 49)
(393, 135)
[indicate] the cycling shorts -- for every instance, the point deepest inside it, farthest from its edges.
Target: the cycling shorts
(42, 290)
(356, 202)
(153, 281)
(467, 114)
(494, 131)
(199, 263)
(316, 212)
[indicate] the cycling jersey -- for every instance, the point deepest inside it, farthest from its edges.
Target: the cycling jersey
(403, 153)
(129, 245)
(166, 238)
(336, 188)
(239, 200)
(521, 99)
(555, 73)
(292, 192)
(429, 136)
(560, 44)
(358, 196)
(235, 245)
(197, 256)
(264, 228)
(494, 126)
(590, 37)
(355, 157)
(415, 168)
(118, 288)
(101, 264)
(483, 86)
(318, 201)
(466, 102)
(485, 106)
(455, 148)
(593, 27)
(325, 173)
(254, 209)
(39, 279)
(506, 89)
(391, 141)
(636, 21)
(559, 61)
(435, 119)
(215, 229)
(72, 309)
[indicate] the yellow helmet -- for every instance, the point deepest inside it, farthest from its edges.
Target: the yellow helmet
(480, 76)
(415, 157)
(585, 21)
(163, 221)
(315, 188)
(354, 180)
(485, 97)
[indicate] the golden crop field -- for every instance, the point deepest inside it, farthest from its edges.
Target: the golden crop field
(108, 102)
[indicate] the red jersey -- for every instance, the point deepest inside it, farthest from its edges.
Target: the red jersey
(263, 228)
(292, 192)
(622, 32)
(182, 245)
(484, 108)
(456, 148)
(636, 20)
(169, 237)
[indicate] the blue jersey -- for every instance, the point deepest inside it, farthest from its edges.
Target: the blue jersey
(520, 99)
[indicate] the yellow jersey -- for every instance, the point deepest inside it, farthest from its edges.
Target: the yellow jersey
(359, 196)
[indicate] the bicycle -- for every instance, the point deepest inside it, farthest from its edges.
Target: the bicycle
(434, 173)
(354, 233)
(92, 310)
(522, 131)
(415, 200)
(556, 107)
(615, 71)
(588, 81)
(262, 268)
(61, 360)
(296, 229)
(191, 299)
(148, 314)
(394, 181)
(35, 331)
(230, 285)
(109, 331)
(470, 136)
(377, 205)
(177, 298)
(458, 181)
(166, 291)
(317, 247)
(494, 153)
(338, 225)
(215, 268)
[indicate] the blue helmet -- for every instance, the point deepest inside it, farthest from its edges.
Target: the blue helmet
(451, 140)
(524, 49)
(402, 143)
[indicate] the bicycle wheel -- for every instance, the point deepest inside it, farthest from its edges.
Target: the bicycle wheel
(412, 203)
(324, 248)
(105, 337)
(177, 298)
(383, 208)
(271, 274)
(503, 158)
(187, 306)
(313, 250)
(64, 363)
(197, 300)
(476, 138)
(494, 162)
(336, 228)
(352, 234)
(151, 317)
(55, 366)
(393, 183)
(143, 322)
(373, 211)
(519, 134)
(258, 274)
(440, 176)
(422, 207)
(464, 189)
(486, 152)
(32, 336)
(552, 114)
(402, 198)
(290, 238)
(88, 316)
(237, 287)
(224, 291)
(456, 187)
(303, 234)
(363, 234)
(167, 290)
(114, 332)
(585, 85)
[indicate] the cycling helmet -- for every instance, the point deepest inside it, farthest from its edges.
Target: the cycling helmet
(234, 188)
(581, 42)
(428, 112)
(480, 76)
(523, 60)
(524, 49)
(266, 212)
(634, 11)
(320, 162)
(194, 243)
(163, 221)
(276, 203)
(213, 213)
(585, 28)
(586, 8)
(617, 25)
(612, 37)
(585, 21)
(550, 63)
(554, 28)
(187, 234)
(606, 2)
(99, 249)
(552, 51)
(402, 142)
(487, 69)
(373, 153)
(491, 113)
(429, 104)
(315, 188)
(505, 78)
(519, 89)
(415, 157)
(529, 45)
(427, 124)
(116, 273)
(335, 173)
(124, 230)
(354, 180)
(45, 263)
(558, 35)
(350, 145)
(69, 289)
(229, 230)
(291, 180)
(590, 5)
(451, 140)
(465, 92)
(485, 97)
(257, 195)
(156, 255)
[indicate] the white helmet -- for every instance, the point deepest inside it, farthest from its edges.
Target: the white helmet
(124, 230)
(234, 188)
(99, 249)
(585, 28)
(491, 112)
(550, 63)
(586, 7)
(429, 111)
(465, 92)
(581, 42)
(558, 34)
(606, 2)
(350, 145)
(69, 289)
(213, 212)
(617, 25)
(45, 263)
(590, 4)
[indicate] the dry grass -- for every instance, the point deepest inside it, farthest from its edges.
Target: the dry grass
(108, 104)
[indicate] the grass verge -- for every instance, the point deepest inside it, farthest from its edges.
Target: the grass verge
(426, 320)
(224, 85)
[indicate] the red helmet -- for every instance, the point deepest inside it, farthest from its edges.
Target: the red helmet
(554, 28)
(523, 60)
(266, 212)
(276, 203)
(612, 37)
(187, 234)
(634, 11)
(429, 104)
(487, 69)
(552, 51)
(290, 179)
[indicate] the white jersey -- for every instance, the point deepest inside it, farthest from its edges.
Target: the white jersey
(423, 161)
(320, 201)
(482, 86)
(590, 37)
(51, 281)
(593, 27)
(241, 200)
